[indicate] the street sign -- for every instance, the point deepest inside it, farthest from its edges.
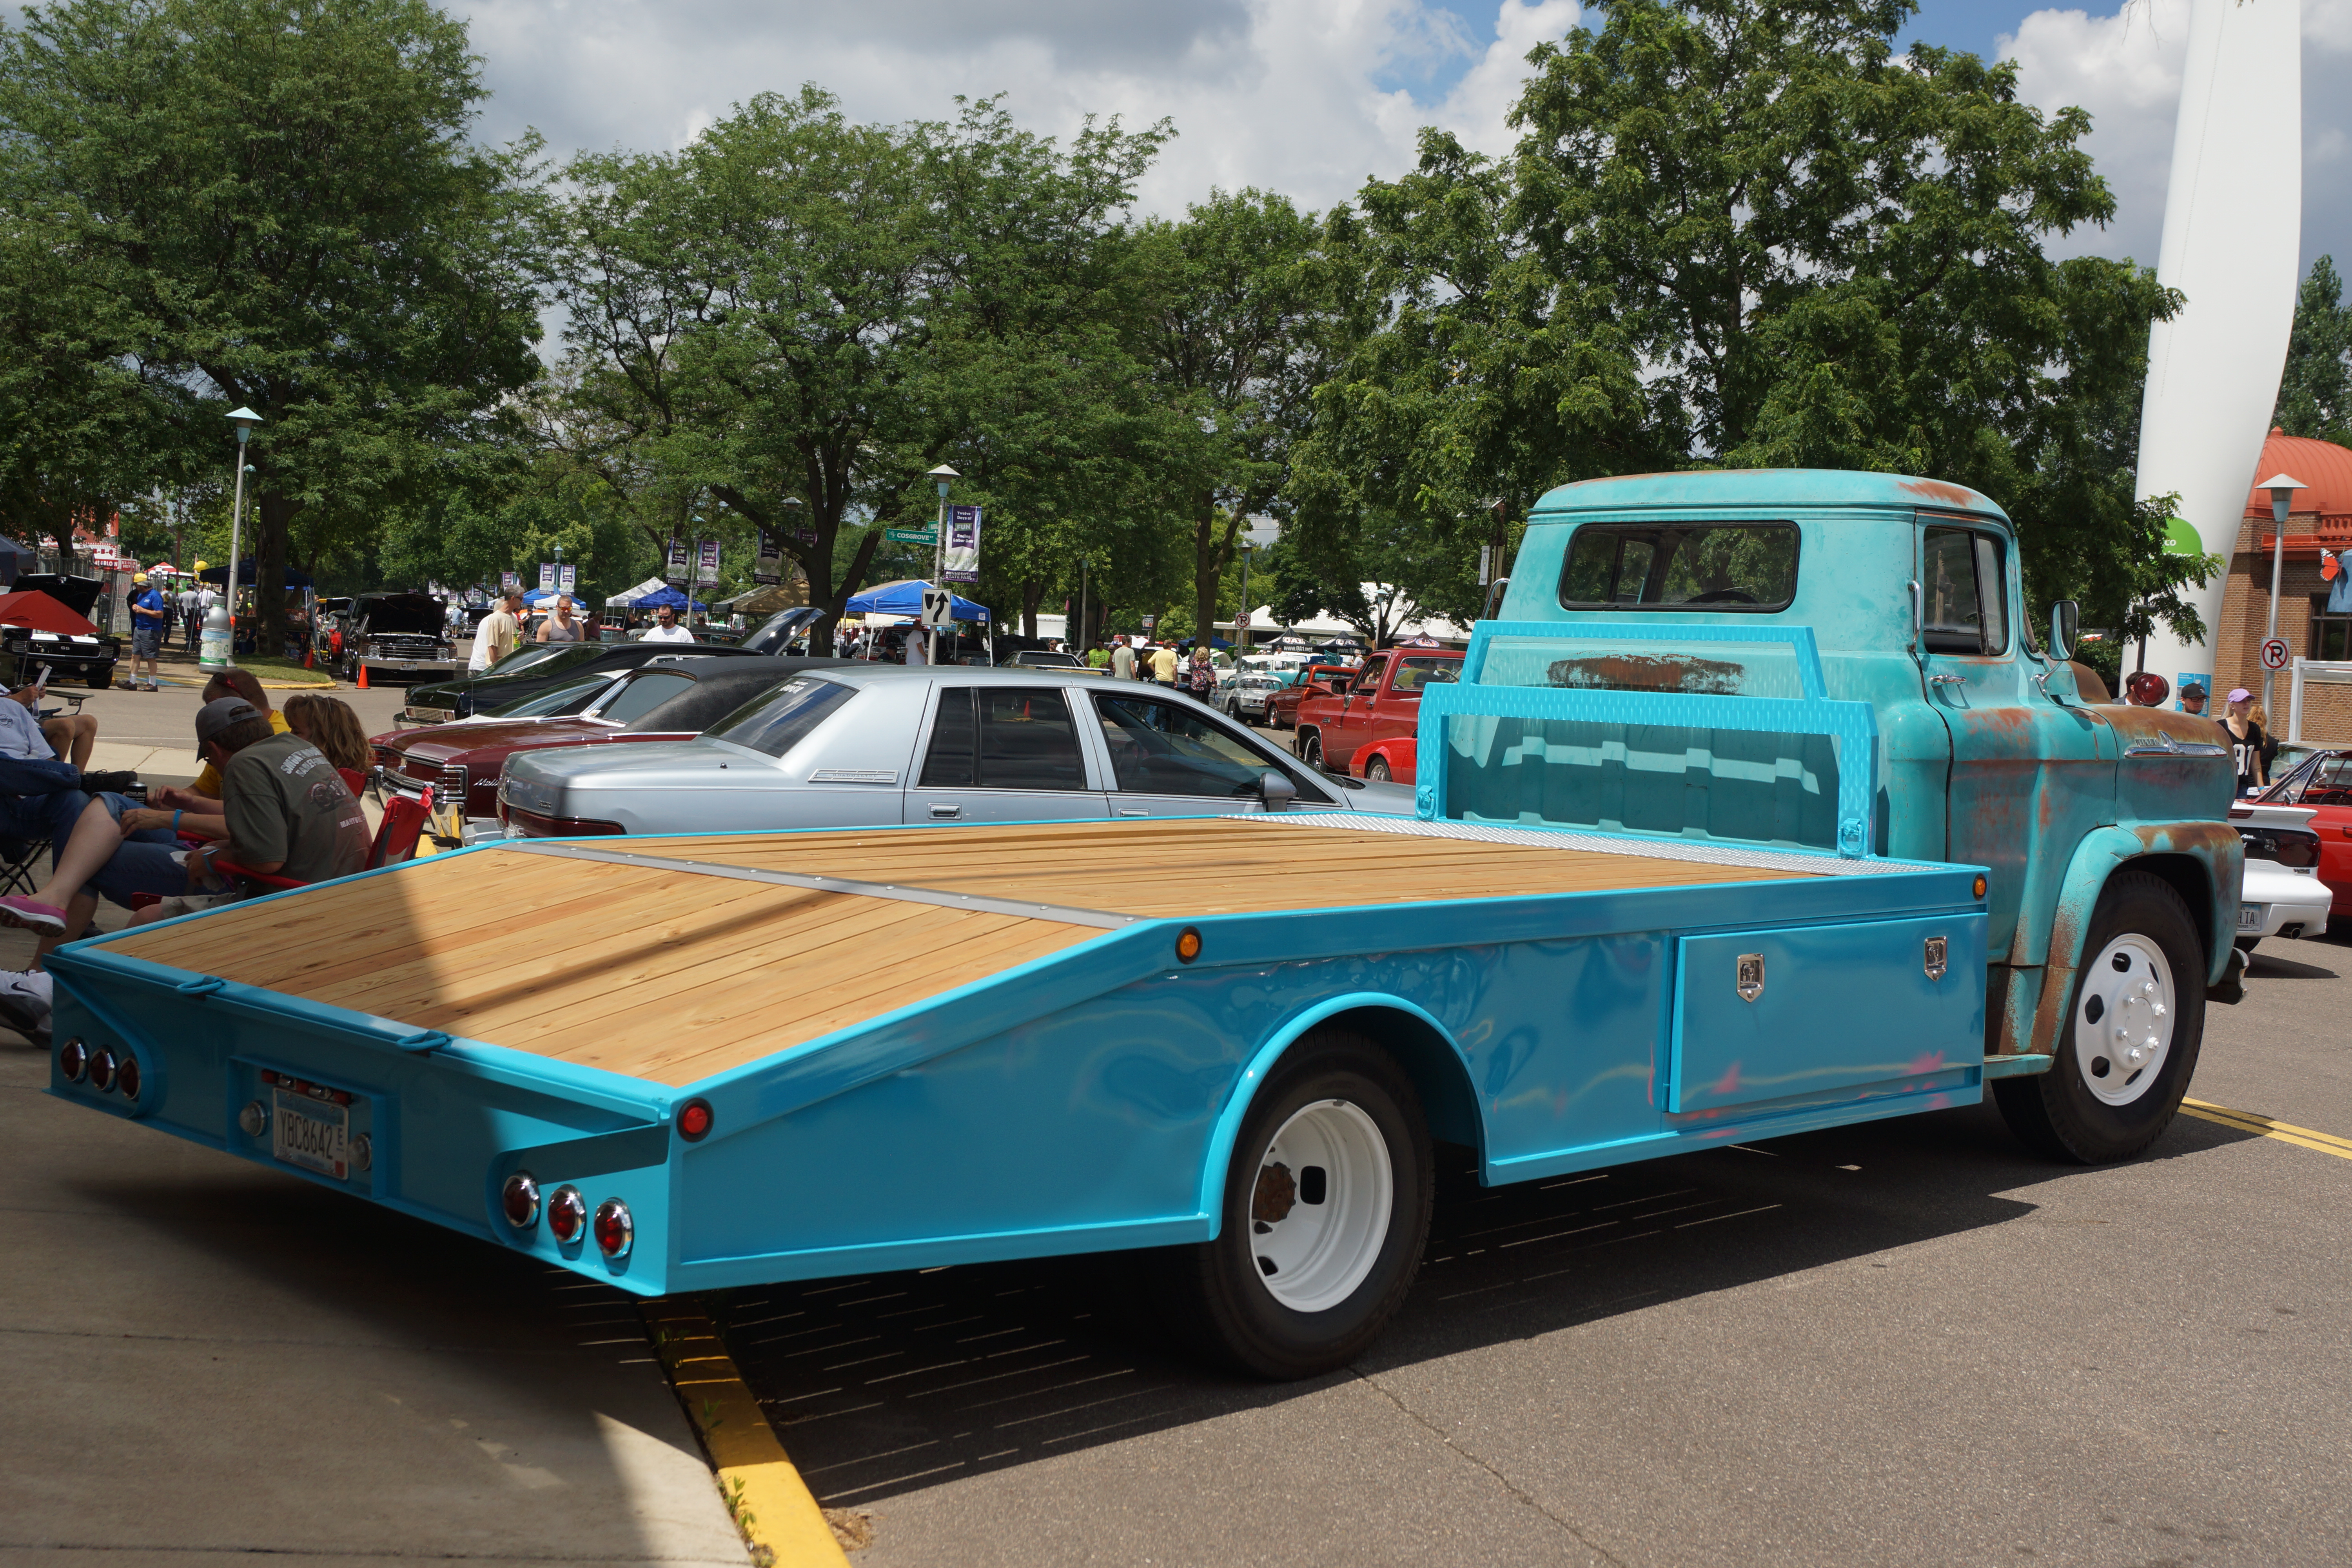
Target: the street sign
(912, 535)
(1241, 620)
(938, 607)
(2275, 654)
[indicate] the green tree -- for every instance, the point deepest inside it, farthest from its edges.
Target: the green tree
(1232, 324)
(2315, 392)
(283, 199)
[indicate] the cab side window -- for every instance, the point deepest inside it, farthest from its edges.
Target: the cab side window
(1965, 596)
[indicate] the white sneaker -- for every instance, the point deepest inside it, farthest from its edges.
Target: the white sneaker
(24, 996)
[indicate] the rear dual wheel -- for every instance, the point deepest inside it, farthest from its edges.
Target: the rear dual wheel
(2129, 1048)
(1327, 1203)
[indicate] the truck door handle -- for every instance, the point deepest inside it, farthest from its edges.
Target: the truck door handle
(1133, 811)
(1947, 681)
(937, 810)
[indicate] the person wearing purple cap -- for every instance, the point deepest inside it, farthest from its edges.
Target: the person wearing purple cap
(2248, 744)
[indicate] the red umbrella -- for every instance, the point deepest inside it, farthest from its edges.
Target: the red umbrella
(43, 614)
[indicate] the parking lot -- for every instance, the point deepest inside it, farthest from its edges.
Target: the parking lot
(1904, 1342)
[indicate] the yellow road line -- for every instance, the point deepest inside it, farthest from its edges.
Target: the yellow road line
(771, 1505)
(2285, 1132)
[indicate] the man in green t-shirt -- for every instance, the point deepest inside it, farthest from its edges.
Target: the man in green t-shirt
(289, 814)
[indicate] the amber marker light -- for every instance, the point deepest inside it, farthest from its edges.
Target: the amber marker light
(1187, 945)
(1978, 886)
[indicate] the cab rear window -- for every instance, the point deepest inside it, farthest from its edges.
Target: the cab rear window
(1680, 565)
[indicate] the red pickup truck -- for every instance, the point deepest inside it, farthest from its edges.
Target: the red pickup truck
(1320, 681)
(1368, 729)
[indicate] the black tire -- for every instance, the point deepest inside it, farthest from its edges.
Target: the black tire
(2059, 1113)
(1377, 770)
(2248, 944)
(1310, 750)
(1216, 1296)
(100, 679)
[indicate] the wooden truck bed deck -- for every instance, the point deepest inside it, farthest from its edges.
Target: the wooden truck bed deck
(675, 970)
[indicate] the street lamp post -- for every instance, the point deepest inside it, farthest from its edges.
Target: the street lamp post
(1254, 537)
(218, 642)
(2282, 489)
(943, 477)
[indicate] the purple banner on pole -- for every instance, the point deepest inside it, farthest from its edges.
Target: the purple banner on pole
(961, 563)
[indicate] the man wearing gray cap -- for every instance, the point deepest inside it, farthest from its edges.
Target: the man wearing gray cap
(289, 814)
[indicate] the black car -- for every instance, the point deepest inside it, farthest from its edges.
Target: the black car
(398, 635)
(535, 667)
(86, 659)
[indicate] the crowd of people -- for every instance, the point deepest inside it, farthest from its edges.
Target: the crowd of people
(277, 798)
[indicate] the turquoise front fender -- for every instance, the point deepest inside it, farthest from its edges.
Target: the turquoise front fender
(2203, 861)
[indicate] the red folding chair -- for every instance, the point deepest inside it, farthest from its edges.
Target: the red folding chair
(395, 842)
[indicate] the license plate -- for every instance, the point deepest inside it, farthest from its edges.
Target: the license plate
(2250, 917)
(408, 664)
(315, 1136)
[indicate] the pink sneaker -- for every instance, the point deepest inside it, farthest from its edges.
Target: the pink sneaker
(29, 914)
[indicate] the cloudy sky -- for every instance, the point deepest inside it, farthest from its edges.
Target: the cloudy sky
(1307, 96)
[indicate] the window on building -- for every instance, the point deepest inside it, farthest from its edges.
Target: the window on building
(2331, 635)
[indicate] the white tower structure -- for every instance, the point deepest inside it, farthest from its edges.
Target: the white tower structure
(2233, 231)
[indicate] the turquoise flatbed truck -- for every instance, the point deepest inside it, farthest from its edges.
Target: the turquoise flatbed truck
(1757, 808)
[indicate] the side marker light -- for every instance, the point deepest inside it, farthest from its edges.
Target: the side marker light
(616, 1232)
(694, 1119)
(1978, 886)
(1187, 945)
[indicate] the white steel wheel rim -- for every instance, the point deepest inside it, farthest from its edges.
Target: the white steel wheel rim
(2124, 1020)
(1311, 1255)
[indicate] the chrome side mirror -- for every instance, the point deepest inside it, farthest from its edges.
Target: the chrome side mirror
(1276, 790)
(2065, 625)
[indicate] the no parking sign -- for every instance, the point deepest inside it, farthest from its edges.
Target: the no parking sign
(2275, 654)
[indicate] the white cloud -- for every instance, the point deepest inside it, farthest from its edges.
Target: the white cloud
(2125, 69)
(1281, 94)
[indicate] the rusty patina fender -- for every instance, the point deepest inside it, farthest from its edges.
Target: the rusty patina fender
(2204, 860)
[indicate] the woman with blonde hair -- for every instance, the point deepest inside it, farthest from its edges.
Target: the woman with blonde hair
(331, 724)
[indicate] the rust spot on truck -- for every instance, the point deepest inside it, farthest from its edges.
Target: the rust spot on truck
(1946, 494)
(1649, 672)
(1276, 1195)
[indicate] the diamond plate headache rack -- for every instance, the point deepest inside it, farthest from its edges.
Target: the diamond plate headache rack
(1815, 862)
(1101, 919)
(1854, 726)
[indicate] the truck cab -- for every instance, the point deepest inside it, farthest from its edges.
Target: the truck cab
(1986, 751)
(1367, 729)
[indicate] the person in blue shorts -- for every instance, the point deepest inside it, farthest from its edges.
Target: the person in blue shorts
(148, 615)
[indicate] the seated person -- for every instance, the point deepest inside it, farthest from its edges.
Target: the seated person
(204, 796)
(287, 814)
(24, 734)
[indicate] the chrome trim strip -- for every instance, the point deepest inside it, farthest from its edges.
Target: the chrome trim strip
(1063, 912)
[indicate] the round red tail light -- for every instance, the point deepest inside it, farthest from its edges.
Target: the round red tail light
(694, 1120)
(519, 1199)
(73, 1060)
(101, 1071)
(567, 1215)
(127, 1077)
(616, 1232)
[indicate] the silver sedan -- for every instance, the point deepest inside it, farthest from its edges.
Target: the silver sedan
(865, 746)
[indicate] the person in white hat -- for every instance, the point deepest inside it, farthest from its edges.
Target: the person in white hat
(147, 617)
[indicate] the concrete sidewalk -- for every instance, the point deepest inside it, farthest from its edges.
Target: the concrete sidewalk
(206, 1359)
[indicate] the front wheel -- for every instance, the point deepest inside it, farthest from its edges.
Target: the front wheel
(1326, 1202)
(1311, 752)
(2129, 1047)
(100, 679)
(1377, 770)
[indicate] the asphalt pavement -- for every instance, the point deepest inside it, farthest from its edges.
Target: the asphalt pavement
(1910, 1342)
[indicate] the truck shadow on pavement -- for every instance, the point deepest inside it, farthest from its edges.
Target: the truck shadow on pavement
(889, 1383)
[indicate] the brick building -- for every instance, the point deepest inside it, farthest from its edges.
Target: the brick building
(2320, 521)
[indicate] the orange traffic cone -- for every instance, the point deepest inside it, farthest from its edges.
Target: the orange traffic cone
(363, 686)
(306, 658)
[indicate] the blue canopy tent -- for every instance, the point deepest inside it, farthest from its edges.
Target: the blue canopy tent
(671, 596)
(904, 597)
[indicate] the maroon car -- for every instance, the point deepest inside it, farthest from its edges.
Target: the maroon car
(665, 703)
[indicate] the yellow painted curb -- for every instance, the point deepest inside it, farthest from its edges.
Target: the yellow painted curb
(771, 1505)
